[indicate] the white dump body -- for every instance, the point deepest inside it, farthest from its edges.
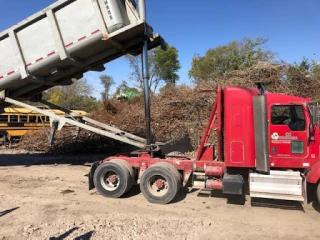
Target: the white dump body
(66, 39)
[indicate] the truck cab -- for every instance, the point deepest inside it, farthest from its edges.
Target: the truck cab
(274, 136)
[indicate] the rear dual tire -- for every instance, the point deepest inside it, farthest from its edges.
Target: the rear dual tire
(130, 169)
(160, 183)
(114, 178)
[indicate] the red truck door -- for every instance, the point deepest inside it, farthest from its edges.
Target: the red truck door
(288, 135)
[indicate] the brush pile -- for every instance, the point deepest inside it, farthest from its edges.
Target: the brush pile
(66, 143)
(176, 113)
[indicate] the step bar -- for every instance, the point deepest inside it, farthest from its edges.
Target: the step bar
(283, 185)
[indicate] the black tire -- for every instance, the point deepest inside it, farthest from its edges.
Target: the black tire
(4, 136)
(318, 193)
(120, 179)
(170, 178)
(173, 169)
(130, 169)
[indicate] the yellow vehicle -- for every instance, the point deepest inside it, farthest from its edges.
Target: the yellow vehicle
(16, 122)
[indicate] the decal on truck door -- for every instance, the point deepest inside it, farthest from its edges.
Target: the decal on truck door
(275, 136)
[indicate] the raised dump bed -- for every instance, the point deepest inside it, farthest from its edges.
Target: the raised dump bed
(61, 42)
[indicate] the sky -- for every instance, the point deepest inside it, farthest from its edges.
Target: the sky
(193, 27)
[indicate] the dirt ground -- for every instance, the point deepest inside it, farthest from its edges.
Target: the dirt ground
(45, 197)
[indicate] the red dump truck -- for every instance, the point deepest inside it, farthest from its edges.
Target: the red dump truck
(271, 140)
(266, 141)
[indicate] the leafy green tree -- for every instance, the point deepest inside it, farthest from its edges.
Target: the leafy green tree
(315, 68)
(90, 104)
(304, 65)
(74, 96)
(106, 81)
(233, 56)
(163, 66)
(298, 72)
(167, 65)
(121, 87)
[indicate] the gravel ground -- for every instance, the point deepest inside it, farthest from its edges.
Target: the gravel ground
(43, 200)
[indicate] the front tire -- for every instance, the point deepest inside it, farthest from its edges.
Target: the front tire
(318, 193)
(112, 179)
(160, 183)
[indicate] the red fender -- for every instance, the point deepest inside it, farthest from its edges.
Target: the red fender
(313, 175)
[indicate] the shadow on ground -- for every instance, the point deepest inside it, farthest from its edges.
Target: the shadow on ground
(316, 206)
(278, 204)
(8, 211)
(181, 195)
(86, 236)
(135, 190)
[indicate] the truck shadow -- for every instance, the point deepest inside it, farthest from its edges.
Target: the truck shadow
(181, 195)
(316, 206)
(278, 204)
(135, 190)
(255, 202)
(8, 211)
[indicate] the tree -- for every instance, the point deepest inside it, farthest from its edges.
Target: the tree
(163, 66)
(106, 81)
(166, 65)
(315, 68)
(297, 72)
(233, 56)
(74, 96)
(122, 87)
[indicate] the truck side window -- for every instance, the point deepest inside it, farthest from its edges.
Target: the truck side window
(292, 116)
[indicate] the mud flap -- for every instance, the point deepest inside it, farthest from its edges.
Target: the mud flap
(91, 174)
